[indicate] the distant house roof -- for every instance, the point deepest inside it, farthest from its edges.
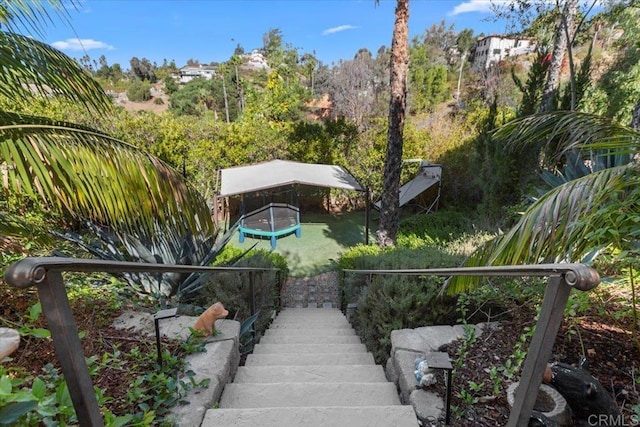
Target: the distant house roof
(256, 60)
(188, 72)
(278, 173)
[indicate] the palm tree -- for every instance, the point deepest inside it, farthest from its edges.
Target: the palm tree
(139, 208)
(390, 200)
(581, 217)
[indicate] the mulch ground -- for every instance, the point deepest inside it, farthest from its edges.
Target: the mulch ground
(97, 336)
(613, 359)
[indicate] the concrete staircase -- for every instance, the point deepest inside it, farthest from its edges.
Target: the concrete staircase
(310, 369)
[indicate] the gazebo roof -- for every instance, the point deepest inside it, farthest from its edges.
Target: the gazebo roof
(278, 173)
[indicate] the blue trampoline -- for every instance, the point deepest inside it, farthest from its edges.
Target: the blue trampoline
(273, 219)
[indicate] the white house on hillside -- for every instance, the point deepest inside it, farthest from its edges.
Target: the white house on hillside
(493, 49)
(189, 73)
(255, 60)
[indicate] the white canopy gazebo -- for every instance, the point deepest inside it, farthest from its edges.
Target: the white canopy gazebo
(240, 180)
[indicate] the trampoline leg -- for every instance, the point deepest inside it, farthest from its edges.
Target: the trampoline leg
(241, 237)
(273, 242)
(298, 232)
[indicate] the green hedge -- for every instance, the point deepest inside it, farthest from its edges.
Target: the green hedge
(388, 302)
(398, 302)
(438, 226)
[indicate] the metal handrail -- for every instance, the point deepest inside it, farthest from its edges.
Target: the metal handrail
(562, 278)
(46, 274)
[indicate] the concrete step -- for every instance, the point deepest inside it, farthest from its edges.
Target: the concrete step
(251, 395)
(311, 311)
(286, 316)
(310, 339)
(303, 325)
(317, 332)
(363, 416)
(310, 374)
(311, 314)
(309, 359)
(308, 321)
(308, 348)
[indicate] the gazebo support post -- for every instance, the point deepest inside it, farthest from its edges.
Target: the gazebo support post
(366, 215)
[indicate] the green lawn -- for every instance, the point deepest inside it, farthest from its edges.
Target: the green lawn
(324, 237)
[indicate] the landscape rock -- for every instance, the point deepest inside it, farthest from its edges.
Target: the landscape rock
(429, 407)
(404, 365)
(218, 369)
(407, 345)
(9, 342)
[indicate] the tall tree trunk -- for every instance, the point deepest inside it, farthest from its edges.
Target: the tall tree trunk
(462, 59)
(565, 26)
(390, 203)
(226, 100)
(635, 117)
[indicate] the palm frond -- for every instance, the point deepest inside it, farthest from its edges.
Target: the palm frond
(90, 175)
(568, 131)
(30, 68)
(30, 15)
(553, 229)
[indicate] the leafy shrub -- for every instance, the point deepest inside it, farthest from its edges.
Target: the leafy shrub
(360, 257)
(398, 302)
(139, 91)
(418, 254)
(442, 225)
(466, 244)
(388, 302)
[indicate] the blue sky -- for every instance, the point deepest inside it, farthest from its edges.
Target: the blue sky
(209, 30)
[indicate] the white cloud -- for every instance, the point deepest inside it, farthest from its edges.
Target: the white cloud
(81, 44)
(338, 29)
(483, 6)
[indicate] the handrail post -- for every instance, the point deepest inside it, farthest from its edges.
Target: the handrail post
(66, 342)
(252, 290)
(279, 285)
(366, 216)
(549, 320)
(342, 283)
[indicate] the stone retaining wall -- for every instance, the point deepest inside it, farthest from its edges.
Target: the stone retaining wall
(316, 291)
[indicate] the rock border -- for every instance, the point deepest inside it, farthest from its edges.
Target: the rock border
(218, 363)
(409, 344)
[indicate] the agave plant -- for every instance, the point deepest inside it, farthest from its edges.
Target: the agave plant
(109, 244)
(566, 223)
